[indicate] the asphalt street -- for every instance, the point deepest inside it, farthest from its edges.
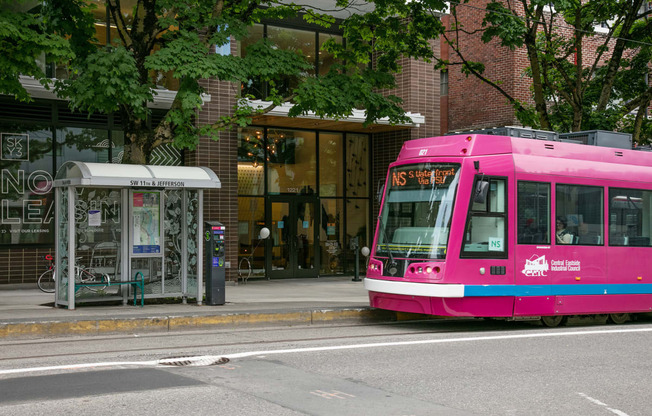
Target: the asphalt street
(466, 366)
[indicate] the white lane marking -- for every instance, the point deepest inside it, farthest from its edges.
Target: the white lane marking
(436, 341)
(327, 348)
(599, 403)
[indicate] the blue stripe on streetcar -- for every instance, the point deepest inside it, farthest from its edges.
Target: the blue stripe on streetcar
(557, 290)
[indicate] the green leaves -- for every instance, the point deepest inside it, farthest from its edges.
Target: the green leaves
(23, 44)
(107, 82)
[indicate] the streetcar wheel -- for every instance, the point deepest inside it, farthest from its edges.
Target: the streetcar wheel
(618, 318)
(553, 321)
(45, 281)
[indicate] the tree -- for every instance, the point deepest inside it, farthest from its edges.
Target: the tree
(574, 86)
(179, 36)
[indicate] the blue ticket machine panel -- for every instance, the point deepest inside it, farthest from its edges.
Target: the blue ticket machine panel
(215, 262)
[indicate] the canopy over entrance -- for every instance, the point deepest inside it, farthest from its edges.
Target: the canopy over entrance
(73, 173)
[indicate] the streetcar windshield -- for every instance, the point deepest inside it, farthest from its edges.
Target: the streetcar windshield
(416, 215)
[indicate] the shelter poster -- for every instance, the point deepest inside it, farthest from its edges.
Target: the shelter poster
(146, 210)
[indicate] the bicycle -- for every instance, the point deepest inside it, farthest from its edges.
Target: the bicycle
(244, 265)
(47, 280)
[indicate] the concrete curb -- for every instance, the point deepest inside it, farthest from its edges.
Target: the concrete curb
(99, 326)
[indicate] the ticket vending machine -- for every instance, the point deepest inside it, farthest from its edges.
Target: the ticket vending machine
(215, 273)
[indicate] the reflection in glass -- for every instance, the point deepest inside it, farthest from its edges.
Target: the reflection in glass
(292, 162)
(280, 235)
(326, 59)
(330, 164)
(82, 144)
(173, 241)
(357, 165)
(357, 220)
(97, 234)
(299, 41)
(305, 235)
(330, 236)
(254, 87)
(251, 157)
(251, 218)
(27, 196)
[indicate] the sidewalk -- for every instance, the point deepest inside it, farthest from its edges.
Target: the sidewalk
(27, 312)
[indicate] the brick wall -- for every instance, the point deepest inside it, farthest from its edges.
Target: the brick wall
(23, 265)
(473, 103)
(222, 157)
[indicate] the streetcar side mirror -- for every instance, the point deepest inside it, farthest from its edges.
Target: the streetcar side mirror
(480, 192)
(264, 233)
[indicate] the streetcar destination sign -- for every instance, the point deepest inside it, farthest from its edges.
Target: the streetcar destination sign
(411, 176)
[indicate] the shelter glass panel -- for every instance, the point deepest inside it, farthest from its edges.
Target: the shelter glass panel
(579, 215)
(251, 158)
(292, 166)
(330, 164)
(62, 260)
(173, 228)
(357, 165)
(331, 232)
(97, 235)
(251, 219)
(630, 217)
(27, 199)
(192, 236)
(533, 213)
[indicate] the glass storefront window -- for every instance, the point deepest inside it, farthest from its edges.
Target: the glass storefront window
(330, 236)
(27, 208)
(326, 59)
(82, 144)
(251, 157)
(357, 225)
(251, 218)
(292, 162)
(300, 41)
(357, 165)
(330, 164)
(253, 87)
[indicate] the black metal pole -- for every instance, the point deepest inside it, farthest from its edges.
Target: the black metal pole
(356, 277)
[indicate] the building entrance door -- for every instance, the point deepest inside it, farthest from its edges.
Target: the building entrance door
(294, 237)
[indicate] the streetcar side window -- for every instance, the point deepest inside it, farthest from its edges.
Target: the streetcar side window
(579, 215)
(629, 217)
(484, 235)
(533, 213)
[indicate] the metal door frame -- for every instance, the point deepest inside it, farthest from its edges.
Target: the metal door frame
(293, 271)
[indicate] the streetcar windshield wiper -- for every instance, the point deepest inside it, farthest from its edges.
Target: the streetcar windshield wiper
(392, 266)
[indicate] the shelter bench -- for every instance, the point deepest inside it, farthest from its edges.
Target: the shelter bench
(137, 283)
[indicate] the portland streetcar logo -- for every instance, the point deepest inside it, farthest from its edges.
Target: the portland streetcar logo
(536, 266)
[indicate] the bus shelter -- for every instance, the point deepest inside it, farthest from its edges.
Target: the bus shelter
(121, 220)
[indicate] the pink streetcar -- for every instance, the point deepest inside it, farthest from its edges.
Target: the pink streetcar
(493, 226)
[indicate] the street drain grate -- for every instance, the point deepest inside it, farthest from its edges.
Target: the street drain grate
(186, 361)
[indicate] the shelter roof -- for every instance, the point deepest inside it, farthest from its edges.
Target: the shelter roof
(73, 173)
